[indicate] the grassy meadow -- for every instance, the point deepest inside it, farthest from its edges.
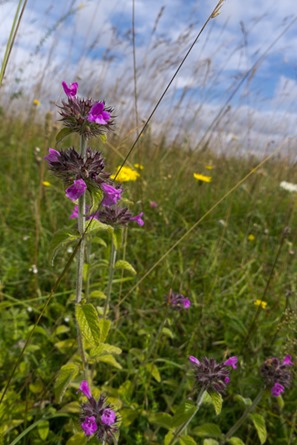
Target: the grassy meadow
(226, 241)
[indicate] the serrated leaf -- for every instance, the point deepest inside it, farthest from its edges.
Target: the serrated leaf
(104, 326)
(208, 430)
(77, 439)
(168, 438)
(235, 441)
(153, 370)
(217, 401)
(122, 264)
(110, 360)
(163, 420)
(210, 442)
(62, 134)
(168, 332)
(65, 376)
(88, 321)
(187, 440)
(60, 240)
(105, 348)
(43, 429)
(259, 424)
(183, 413)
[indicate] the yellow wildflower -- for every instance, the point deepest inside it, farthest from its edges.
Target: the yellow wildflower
(139, 166)
(46, 183)
(261, 303)
(251, 237)
(203, 178)
(36, 102)
(208, 167)
(125, 174)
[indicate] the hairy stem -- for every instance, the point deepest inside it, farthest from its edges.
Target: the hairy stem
(113, 254)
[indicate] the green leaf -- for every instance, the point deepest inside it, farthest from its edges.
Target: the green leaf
(210, 442)
(259, 424)
(103, 349)
(183, 413)
(280, 402)
(64, 345)
(88, 321)
(98, 294)
(77, 439)
(217, 401)
(168, 438)
(65, 376)
(168, 332)
(43, 429)
(163, 420)
(103, 138)
(187, 440)
(110, 360)
(104, 326)
(122, 264)
(97, 226)
(128, 416)
(208, 430)
(244, 401)
(153, 370)
(60, 240)
(62, 134)
(235, 441)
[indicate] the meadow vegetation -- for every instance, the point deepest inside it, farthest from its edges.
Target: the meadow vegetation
(225, 239)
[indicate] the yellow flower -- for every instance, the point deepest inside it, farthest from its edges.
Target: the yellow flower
(209, 167)
(251, 237)
(125, 174)
(36, 102)
(46, 183)
(261, 303)
(139, 166)
(203, 178)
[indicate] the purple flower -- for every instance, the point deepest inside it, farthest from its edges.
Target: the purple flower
(111, 194)
(231, 362)
(70, 90)
(98, 115)
(74, 213)
(227, 380)
(84, 387)
(89, 426)
(277, 389)
(108, 417)
(138, 219)
(53, 155)
(194, 360)
(287, 360)
(186, 303)
(76, 190)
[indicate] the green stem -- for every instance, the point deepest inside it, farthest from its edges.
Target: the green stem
(113, 254)
(182, 428)
(80, 253)
(244, 416)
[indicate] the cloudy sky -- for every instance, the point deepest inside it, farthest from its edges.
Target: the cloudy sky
(91, 41)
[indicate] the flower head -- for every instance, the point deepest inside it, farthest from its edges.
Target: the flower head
(276, 374)
(139, 166)
(177, 301)
(111, 194)
(194, 360)
(89, 426)
(138, 219)
(36, 102)
(98, 114)
(153, 204)
(202, 178)
(277, 389)
(76, 190)
(288, 186)
(261, 303)
(287, 360)
(53, 155)
(125, 174)
(84, 388)
(70, 90)
(108, 416)
(210, 374)
(232, 361)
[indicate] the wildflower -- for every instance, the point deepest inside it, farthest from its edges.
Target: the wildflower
(261, 303)
(89, 426)
(53, 155)
(209, 167)
(46, 183)
(153, 204)
(111, 194)
(276, 375)
(251, 237)
(76, 190)
(98, 417)
(98, 114)
(288, 186)
(36, 102)
(125, 174)
(138, 219)
(70, 90)
(212, 375)
(202, 178)
(139, 166)
(177, 301)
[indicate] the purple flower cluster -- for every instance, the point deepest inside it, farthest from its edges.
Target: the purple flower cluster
(98, 417)
(276, 374)
(177, 301)
(212, 375)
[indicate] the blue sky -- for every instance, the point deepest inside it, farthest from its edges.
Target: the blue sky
(90, 41)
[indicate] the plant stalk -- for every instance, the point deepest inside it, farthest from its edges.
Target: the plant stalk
(112, 260)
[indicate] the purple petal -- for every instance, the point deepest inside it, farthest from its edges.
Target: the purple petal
(53, 155)
(288, 360)
(84, 387)
(186, 303)
(76, 190)
(231, 362)
(111, 194)
(70, 90)
(277, 389)
(98, 115)
(194, 360)
(108, 417)
(138, 219)
(89, 426)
